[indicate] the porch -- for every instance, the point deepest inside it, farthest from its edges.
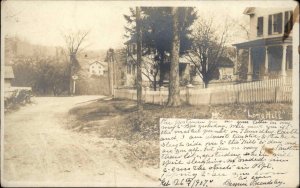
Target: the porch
(268, 58)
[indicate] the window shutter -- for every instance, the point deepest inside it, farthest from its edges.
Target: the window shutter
(291, 21)
(286, 17)
(270, 25)
(279, 22)
(260, 26)
(286, 22)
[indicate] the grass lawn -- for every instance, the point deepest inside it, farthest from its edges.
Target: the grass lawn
(118, 118)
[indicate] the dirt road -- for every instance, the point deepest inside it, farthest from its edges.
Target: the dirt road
(38, 151)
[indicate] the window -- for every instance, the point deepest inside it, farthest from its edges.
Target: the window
(275, 58)
(133, 69)
(275, 24)
(133, 48)
(260, 26)
(129, 69)
(128, 49)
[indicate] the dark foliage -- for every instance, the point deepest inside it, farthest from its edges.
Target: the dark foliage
(46, 76)
(157, 32)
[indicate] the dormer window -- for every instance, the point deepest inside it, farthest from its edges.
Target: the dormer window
(260, 26)
(275, 24)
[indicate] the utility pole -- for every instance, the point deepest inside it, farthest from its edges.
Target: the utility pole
(110, 61)
(139, 59)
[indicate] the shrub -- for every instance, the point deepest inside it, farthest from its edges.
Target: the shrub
(13, 99)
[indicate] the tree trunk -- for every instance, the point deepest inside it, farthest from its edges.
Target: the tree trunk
(139, 59)
(206, 84)
(72, 71)
(174, 91)
(154, 83)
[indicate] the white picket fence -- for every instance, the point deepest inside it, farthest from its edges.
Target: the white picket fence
(274, 90)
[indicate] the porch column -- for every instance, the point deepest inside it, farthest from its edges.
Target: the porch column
(283, 63)
(250, 72)
(266, 63)
(236, 64)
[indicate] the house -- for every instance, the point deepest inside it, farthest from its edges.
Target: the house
(269, 54)
(8, 76)
(151, 68)
(97, 68)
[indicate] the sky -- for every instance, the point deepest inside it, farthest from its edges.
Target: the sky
(45, 22)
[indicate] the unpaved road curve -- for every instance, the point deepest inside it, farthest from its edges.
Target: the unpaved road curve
(38, 151)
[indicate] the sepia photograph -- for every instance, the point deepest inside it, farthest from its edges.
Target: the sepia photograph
(149, 93)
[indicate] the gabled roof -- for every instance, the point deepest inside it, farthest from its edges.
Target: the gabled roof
(93, 62)
(8, 72)
(104, 64)
(225, 62)
(249, 10)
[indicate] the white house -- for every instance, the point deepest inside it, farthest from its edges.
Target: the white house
(97, 68)
(151, 69)
(270, 54)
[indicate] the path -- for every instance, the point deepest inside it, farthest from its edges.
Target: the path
(38, 151)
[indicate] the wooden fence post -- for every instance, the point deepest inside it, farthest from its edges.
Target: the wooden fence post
(146, 88)
(188, 93)
(276, 94)
(160, 95)
(144, 94)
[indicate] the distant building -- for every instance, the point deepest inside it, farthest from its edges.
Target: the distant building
(97, 68)
(8, 76)
(226, 69)
(269, 55)
(149, 68)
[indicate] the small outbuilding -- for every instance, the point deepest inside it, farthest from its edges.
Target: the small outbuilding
(8, 76)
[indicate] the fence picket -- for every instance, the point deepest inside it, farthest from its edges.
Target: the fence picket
(273, 90)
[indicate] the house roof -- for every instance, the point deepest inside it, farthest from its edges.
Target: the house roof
(93, 62)
(249, 10)
(184, 59)
(131, 40)
(104, 64)
(8, 72)
(225, 62)
(263, 42)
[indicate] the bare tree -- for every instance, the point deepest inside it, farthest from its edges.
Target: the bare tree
(74, 44)
(208, 49)
(150, 69)
(241, 25)
(174, 92)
